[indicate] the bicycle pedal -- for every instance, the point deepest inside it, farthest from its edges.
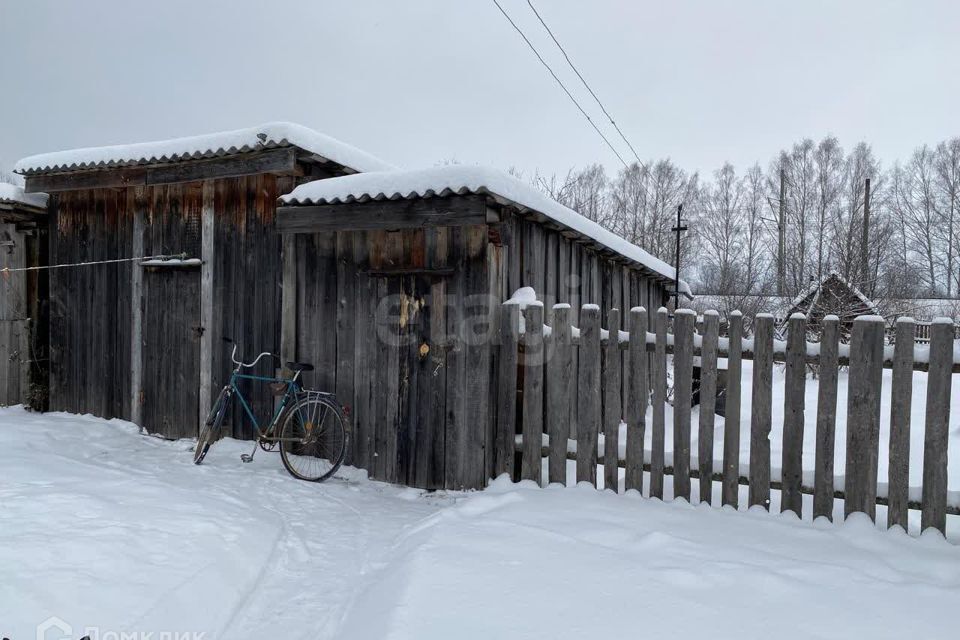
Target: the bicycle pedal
(246, 457)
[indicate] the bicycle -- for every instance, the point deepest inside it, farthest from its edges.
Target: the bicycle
(309, 426)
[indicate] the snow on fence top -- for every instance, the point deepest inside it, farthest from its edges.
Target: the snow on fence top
(462, 180)
(265, 136)
(11, 193)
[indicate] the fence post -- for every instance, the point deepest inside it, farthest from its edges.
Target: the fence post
(791, 464)
(863, 416)
(760, 413)
(708, 403)
(611, 403)
(559, 378)
(731, 420)
(636, 398)
(507, 393)
(659, 378)
(826, 418)
(935, 440)
(588, 391)
(683, 320)
(531, 466)
(901, 397)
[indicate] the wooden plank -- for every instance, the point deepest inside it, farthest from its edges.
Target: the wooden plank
(206, 302)
(478, 358)
(863, 415)
(507, 394)
(611, 401)
(683, 320)
(277, 161)
(345, 327)
(659, 378)
(532, 393)
(708, 403)
(760, 414)
(559, 390)
(826, 417)
(901, 398)
(937, 425)
(383, 214)
(363, 418)
(793, 414)
(638, 389)
(458, 421)
(731, 419)
(288, 300)
(84, 180)
(588, 390)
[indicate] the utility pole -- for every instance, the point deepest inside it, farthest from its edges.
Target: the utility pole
(782, 234)
(865, 241)
(680, 228)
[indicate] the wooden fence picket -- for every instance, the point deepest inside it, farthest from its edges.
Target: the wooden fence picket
(611, 402)
(683, 321)
(588, 391)
(863, 416)
(637, 390)
(659, 378)
(901, 397)
(826, 417)
(708, 403)
(760, 412)
(791, 466)
(531, 464)
(937, 424)
(507, 392)
(559, 389)
(731, 420)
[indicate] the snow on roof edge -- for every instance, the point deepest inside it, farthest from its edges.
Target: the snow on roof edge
(265, 136)
(11, 193)
(462, 180)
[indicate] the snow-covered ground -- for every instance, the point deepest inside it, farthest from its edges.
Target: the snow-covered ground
(105, 528)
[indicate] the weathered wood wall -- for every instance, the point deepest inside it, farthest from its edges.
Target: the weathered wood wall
(396, 323)
(16, 348)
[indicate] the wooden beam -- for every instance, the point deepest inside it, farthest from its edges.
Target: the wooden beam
(138, 203)
(206, 300)
(388, 214)
(276, 161)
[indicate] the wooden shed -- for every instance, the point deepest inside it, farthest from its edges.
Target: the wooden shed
(392, 286)
(23, 340)
(141, 339)
(833, 295)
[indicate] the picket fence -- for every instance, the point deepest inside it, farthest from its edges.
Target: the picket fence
(589, 378)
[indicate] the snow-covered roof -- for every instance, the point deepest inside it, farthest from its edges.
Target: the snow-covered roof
(870, 304)
(265, 136)
(462, 180)
(12, 194)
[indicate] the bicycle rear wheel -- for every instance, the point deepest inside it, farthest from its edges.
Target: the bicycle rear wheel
(210, 431)
(313, 438)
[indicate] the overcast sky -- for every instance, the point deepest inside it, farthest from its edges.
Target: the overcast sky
(421, 81)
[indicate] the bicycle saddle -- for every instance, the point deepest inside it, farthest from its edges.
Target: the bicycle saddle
(299, 366)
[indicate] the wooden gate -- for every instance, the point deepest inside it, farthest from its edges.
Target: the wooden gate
(171, 351)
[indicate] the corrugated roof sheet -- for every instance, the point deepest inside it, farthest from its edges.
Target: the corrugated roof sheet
(462, 180)
(266, 136)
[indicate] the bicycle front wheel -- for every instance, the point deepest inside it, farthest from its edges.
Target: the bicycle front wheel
(313, 439)
(210, 430)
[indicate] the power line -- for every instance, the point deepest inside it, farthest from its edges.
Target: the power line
(584, 81)
(557, 79)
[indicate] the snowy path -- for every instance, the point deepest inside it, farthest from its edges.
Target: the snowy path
(103, 527)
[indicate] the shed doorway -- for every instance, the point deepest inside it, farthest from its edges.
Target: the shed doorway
(413, 348)
(171, 351)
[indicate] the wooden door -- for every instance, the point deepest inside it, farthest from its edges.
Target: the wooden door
(171, 351)
(14, 324)
(422, 385)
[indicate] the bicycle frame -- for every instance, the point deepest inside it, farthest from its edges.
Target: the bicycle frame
(293, 388)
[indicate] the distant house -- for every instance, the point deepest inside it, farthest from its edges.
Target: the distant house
(836, 296)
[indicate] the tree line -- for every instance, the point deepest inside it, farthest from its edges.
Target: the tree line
(815, 208)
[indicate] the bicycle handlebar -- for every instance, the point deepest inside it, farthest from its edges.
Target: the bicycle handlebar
(233, 357)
